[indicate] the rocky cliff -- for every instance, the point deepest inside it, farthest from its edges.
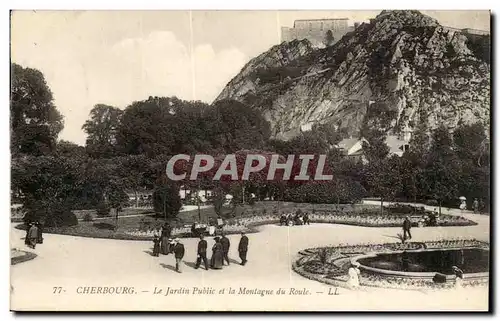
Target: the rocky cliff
(400, 69)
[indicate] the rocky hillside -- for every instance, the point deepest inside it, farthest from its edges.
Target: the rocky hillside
(401, 68)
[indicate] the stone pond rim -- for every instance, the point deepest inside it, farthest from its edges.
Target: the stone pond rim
(423, 275)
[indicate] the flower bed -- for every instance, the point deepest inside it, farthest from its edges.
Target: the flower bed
(313, 266)
(19, 256)
(249, 222)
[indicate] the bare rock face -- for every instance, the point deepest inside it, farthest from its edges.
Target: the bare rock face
(402, 60)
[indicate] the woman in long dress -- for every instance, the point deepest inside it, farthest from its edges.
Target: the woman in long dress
(217, 255)
(26, 238)
(353, 272)
(40, 233)
(156, 246)
(459, 277)
(165, 235)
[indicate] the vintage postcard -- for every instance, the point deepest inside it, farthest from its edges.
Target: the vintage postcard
(250, 160)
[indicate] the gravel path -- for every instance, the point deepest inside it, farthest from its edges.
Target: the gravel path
(73, 262)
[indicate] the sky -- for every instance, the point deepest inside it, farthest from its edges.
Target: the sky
(117, 57)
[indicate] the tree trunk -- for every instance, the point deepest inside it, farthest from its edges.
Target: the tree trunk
(381, 205)
(165, 205)
(439, 207)
(136, 199)
(198, 202)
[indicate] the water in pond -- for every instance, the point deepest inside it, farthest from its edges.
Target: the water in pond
(469, 260)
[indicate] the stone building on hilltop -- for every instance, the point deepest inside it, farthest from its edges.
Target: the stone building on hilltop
(320, 32)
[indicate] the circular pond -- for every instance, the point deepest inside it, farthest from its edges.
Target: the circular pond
(471, 260)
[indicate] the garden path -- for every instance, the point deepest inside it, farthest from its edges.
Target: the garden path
(72, 262)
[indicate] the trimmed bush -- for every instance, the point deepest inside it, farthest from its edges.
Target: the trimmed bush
(103, 210)
(61, 218)
(88, 217)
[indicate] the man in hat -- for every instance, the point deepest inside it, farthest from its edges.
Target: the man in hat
(225, 248)
(33, 236)
(202, 253)
(475, 206)
(243, 248)
(179, 254)
(406, 228)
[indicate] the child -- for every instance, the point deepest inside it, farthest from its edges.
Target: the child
(156, 248)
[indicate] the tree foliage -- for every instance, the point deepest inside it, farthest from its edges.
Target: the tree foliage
(102, 130)
(35, 122)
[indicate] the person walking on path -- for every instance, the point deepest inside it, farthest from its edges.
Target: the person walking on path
(217, 255)
(179, 254)
(26, 238)
(225, 248)
(156, 246)
(243, 248)
(40, 233)
(33, 236)
(475, 206)
(306, 219)
(166, 231)
(482, 206)
(202, 253)
(406, 228)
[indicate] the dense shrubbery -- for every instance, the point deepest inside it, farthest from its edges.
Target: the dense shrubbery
(60, 218)
(103, 210)
(88, 217)
(277, 74)
(167, 201)
(321, 192)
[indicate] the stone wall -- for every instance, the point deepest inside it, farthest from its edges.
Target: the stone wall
(315, 30)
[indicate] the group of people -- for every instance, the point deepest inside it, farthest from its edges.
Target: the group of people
(169, 246)
(294, 219)
(220, 250)
(478, 206)
(34, 234)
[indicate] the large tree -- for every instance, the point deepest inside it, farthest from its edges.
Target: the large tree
(48, 187)
(443, 170)
(472, 148)
(102, 130)
(234, 126)
(35, 121)
(146, 128)
(383, 178)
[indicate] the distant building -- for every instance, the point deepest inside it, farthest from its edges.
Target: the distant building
(468, 31)
(204, 195)
(315, 30)
(353, 147)
(306, 127)
(142, 198)
(397, 146)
